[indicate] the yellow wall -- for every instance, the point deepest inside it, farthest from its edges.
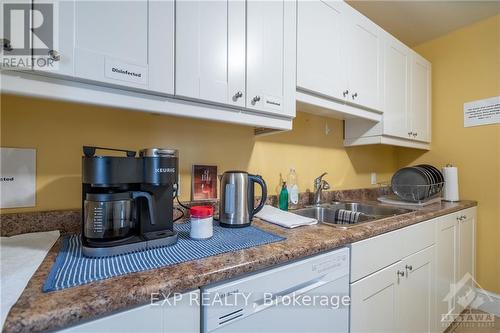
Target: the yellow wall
(58, 130)
(466, 67)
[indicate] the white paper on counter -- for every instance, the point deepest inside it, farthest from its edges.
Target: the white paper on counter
(20, 257)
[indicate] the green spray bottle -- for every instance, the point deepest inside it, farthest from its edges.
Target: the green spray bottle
(283, 199)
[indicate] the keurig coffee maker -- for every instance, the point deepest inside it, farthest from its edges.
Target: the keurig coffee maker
(127, 201)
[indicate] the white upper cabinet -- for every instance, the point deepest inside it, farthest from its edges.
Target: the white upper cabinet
(224, 60)
(265, 55)
(364, 61)
(397, 58)
(125, 43)
(320, 66)
(128, 43)
(421, 99)
(210, 51)
(406, 102)
(339, 58)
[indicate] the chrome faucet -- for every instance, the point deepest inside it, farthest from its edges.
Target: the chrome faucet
(319, 186)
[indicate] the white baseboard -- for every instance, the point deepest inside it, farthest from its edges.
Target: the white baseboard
(492, 303)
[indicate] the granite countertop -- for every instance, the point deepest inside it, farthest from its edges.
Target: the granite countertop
(38, 311)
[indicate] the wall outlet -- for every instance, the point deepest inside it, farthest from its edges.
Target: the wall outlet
(373, 178)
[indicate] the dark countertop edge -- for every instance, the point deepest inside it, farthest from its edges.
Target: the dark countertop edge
(24, 321)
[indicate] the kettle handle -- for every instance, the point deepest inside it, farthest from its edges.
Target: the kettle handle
(258, 179)
(151, 204)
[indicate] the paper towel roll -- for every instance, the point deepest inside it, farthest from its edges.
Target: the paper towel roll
(450, 189)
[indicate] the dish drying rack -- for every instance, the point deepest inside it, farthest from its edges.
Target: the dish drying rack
(413, 195)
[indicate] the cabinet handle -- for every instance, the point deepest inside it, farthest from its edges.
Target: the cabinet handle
(415, 134)
(345, 93)
(409, 267)
(464, 217)
(401, 273)
(410, 133)
(354, 95)
(54, 55)
(7, 46)
(237, 95)
(255, 100)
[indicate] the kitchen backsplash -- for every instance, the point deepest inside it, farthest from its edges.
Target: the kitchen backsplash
(69, 221)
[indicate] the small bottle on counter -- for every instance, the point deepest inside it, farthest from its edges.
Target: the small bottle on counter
(293, 187)
(283, 199)
(201, 222)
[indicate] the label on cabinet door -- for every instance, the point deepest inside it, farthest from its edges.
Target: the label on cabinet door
(272, 102)
(17, 177)
(122, 71)
(482, 112)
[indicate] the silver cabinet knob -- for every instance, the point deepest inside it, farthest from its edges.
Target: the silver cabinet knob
(54, 55)
(409, 267)
(255, 100)
(345, 93)
(238, 94)
(354, 95)
(415, 134)
(400, 273)
(410, 133)
(7, 46)
(464, 216)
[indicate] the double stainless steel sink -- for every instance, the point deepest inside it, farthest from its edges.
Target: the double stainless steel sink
(326, 213)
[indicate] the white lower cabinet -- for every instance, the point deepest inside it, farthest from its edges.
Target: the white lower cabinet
(455, 265)
(374, 302)
(408, 280)
(415, 302)
(180, 313)
(398, 298)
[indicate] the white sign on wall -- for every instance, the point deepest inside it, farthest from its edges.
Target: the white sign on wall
(17, 177)
(482, 112)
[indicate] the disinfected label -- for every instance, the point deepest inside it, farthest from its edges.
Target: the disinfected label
(125, 72)
(272, 102)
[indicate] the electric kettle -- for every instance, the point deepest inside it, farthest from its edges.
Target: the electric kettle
(236, 205)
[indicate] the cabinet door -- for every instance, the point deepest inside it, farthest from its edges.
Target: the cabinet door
(210, 51)
(15, 33)
(466, 254)
(397, 60)
(127, 43)
(421, 99)
(416, 297)
(364, 61)
(59, 59)
(320, 31)
(177, 314)
(446, 268)
(373, 302)
(265, 31)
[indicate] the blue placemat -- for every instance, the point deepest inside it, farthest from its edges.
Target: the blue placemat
(73, 269)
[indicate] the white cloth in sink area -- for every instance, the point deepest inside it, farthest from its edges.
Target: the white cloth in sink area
(285, 219)
(20, 257)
